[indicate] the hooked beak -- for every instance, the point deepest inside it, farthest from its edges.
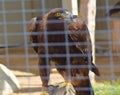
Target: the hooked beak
(69, 16)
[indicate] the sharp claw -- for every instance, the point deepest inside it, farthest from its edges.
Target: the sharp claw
(70, 86)
(67, 86)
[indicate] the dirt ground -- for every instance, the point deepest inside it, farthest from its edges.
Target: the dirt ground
(23, 62)
(31, 83)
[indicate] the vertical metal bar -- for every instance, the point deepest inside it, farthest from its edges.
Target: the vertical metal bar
(67, 51)
(25, 40)
(25, 34)
(45, 38)
(110, 43)
(5, 33)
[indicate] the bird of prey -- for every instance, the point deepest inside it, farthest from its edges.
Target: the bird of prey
(58, 37)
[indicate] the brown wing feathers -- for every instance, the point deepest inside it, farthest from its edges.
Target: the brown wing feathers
(79, 33)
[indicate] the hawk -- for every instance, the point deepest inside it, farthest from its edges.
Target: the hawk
(57, 36)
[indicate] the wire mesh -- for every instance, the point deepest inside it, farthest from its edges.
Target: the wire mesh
(16, 50)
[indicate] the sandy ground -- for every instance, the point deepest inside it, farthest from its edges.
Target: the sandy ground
(31, 83)
(24, 65)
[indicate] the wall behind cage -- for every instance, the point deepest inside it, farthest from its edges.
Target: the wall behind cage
(14, 16)
(107, 40)
(101, 21)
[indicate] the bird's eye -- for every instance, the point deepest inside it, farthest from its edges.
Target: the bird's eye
(58, 14)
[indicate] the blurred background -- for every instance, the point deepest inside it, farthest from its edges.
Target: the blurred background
(102, 18)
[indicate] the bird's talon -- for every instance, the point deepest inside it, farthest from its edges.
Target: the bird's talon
(70, 86)
(63, 84)
(67, 86)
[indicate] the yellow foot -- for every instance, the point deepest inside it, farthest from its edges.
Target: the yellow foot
(44, 93)
(68, 86)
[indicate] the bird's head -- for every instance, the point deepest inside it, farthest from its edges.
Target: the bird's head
(60, 14)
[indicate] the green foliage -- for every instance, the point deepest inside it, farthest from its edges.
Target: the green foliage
(107, 88)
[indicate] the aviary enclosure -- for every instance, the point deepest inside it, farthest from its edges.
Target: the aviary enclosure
(17, 54)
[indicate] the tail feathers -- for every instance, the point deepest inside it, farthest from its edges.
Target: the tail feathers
(95, 70)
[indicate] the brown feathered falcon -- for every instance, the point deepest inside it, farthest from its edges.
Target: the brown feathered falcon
(57, 37)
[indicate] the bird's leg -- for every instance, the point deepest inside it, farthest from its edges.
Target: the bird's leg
(44, 74)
